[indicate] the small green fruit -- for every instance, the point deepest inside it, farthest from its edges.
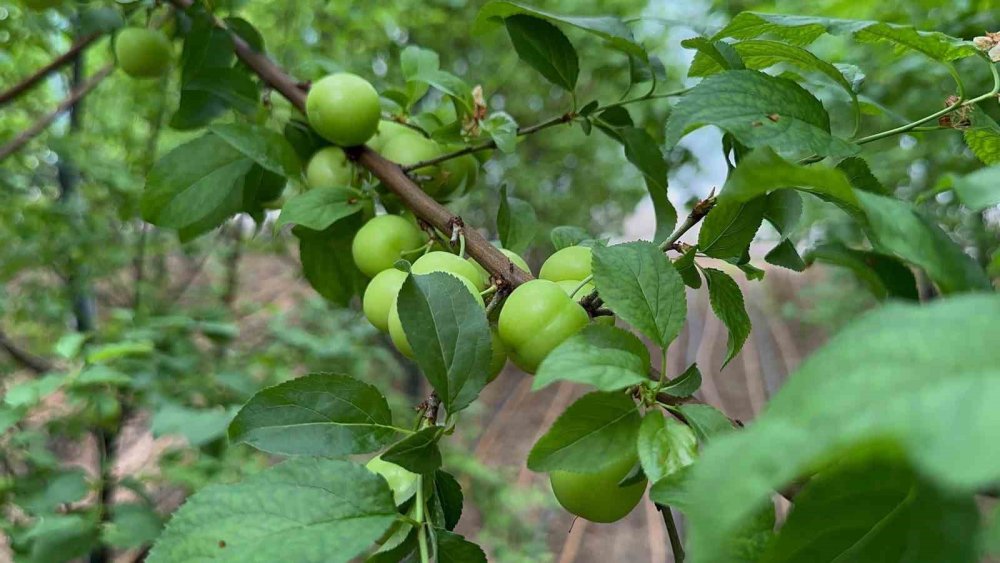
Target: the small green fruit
(380, 295)
(380, 242)
(387, 131)
(597, 496)
(344, 109)
(329, 168)
(570, 263)
(537, 317)
(453, 264)
(143, 53)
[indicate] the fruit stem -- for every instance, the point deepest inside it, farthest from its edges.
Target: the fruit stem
(676, 547)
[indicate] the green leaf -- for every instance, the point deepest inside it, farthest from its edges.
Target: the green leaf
(402, 542)
(885, 276)
(641, 286)
(727, 302)
(262, 145)
(321, 509)
(448, 494)
(763, 171)
(319, 208)
(59, 489)
(665, 446)
(760, 54)
(685, 384)
(907, 367)
(326, 260)
(453, 548)
(418, 452)
(447, 83)
(98, 20)
(132, 525)
(60, 537)
(613, 31)
(231, 86)
(785, 255)
(712, 56)
(706, 421)
(783, 209)
(197, 426)
(247, 32)
(883, 511)
(206, 47)
(802, 30)
(117, 350)
(320, 414)
(593, 433)
(897, 228)
(606, 357)
(502, 128)
(980, 189)
(449, 334)
(567, 235)
(516, 222)
(759, 110)
(192, 181)
(686, 268)
(545, 48)
(860, 175)
(730, 227)
(983, 138)
(642, 151)
(414, 61)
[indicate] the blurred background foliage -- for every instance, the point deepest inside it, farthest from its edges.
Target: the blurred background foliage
(206, 323)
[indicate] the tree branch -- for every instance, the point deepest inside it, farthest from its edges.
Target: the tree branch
(27, 359)
(391, 175)
(31, 132)
(30, 82)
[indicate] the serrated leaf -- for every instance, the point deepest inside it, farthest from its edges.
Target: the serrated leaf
(706, 421)
(613, 31)
(785, 255)
(884, 512)
(860, 176)
(448, 494)
(453, 548)
(759, 110)
(763, 171)
(665, 446)
(262, 145)
(545, 48)
(417, 452)
(516, 222)
(712, 56)
(685, 384)
(727, 303)
(326, 260)
(502, 128)
(643, 151)
(320, 414)
(907, 367)
(197, 426)
(760, 54)
(884, 276)
(983, 137)
(897, 228)
(606, 357)
(192, 181)
(980, 189)
(447, 83)
(593, 433)
(322, 509)
(319, 208)
(730, 227)
(802, 30)
(642, 287)
(686, 268)
(449, 334)
(567, 235)
(413, 61)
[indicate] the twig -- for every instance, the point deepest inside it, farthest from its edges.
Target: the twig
(491, 144)
(31, 132)
(31, 81)
(676, 546)
(27, 359)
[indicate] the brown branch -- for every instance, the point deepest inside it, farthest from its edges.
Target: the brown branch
(23, 357)
(391, 175)
(30, 82)
(16, 143)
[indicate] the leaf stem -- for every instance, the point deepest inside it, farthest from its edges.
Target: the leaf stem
(422, 526)
(583, 282)
(676, 547)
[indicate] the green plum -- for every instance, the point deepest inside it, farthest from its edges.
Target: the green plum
(344, 109)
(143, 53)
(597, 496)
(537, 317)
(570, 263)
(379, 243)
